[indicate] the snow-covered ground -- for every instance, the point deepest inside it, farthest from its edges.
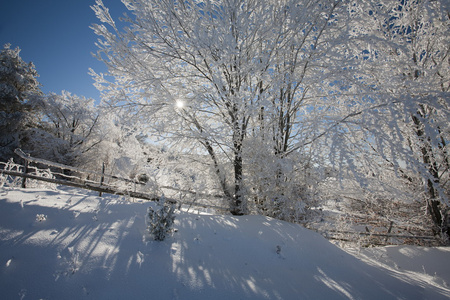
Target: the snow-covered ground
(70, 244)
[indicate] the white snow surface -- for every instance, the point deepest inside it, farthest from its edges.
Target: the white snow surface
(71, 244)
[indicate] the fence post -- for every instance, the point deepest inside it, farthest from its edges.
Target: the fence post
(25, 171)
(389, 231)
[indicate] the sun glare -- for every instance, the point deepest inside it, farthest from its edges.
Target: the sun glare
(180, 104)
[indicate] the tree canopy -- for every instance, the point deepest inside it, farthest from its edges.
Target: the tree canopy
(285, 97)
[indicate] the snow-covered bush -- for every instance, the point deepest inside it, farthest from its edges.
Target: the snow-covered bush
(41, 217)
(160, 219)
(45, 173)
(11, 181)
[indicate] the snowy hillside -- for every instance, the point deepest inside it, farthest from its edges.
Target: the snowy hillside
(69, 244)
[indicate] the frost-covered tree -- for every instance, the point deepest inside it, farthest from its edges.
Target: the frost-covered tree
(214, 73)
(69, 129)
(18, 86)
(281, 94)
(412, 70)
(306, 94)
(396, 143)
(192, 53)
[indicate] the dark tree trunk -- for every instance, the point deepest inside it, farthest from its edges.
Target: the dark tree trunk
(434, 207)
(238, 206)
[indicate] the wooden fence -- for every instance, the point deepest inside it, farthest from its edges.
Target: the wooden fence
(75, 177)
(373, 230)
(47, 171)
(39, 169)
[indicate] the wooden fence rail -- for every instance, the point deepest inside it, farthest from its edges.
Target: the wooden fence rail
(82, 181)
(385, 235)
(76, 181)
(29, 159)
(26, 172)
(87, 186)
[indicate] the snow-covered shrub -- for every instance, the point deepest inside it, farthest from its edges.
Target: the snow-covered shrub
(45, 173)
(11, 181)
(160, 219)
(41, 217)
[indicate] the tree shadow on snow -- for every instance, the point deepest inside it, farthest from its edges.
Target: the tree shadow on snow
(98, 248)
(260, 258)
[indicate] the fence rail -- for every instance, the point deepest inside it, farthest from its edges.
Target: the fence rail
(79, 178)
(378, 234)
(87, 186)
(29, 159)
(330, 234)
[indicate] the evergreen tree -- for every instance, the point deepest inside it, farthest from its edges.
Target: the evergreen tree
(18, 86)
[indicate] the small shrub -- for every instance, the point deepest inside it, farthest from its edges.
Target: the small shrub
(41, 217)
(160, 219)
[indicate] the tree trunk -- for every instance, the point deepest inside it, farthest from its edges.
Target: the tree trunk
(217, 170)
(433, 202)
(238, 205)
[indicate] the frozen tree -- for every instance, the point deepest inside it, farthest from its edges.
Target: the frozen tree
(212, 74)
(393, 144)
(281, 94)
(194, 54)
(18, 85)
(411, 67)
(70, 128)
(307, 93)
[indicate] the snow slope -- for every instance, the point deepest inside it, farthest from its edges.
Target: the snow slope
(70, 244)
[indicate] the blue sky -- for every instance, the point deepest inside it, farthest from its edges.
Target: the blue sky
(55, 36)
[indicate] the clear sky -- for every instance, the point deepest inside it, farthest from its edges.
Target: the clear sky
(55, 36)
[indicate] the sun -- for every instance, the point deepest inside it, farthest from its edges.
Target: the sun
(180, 104)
